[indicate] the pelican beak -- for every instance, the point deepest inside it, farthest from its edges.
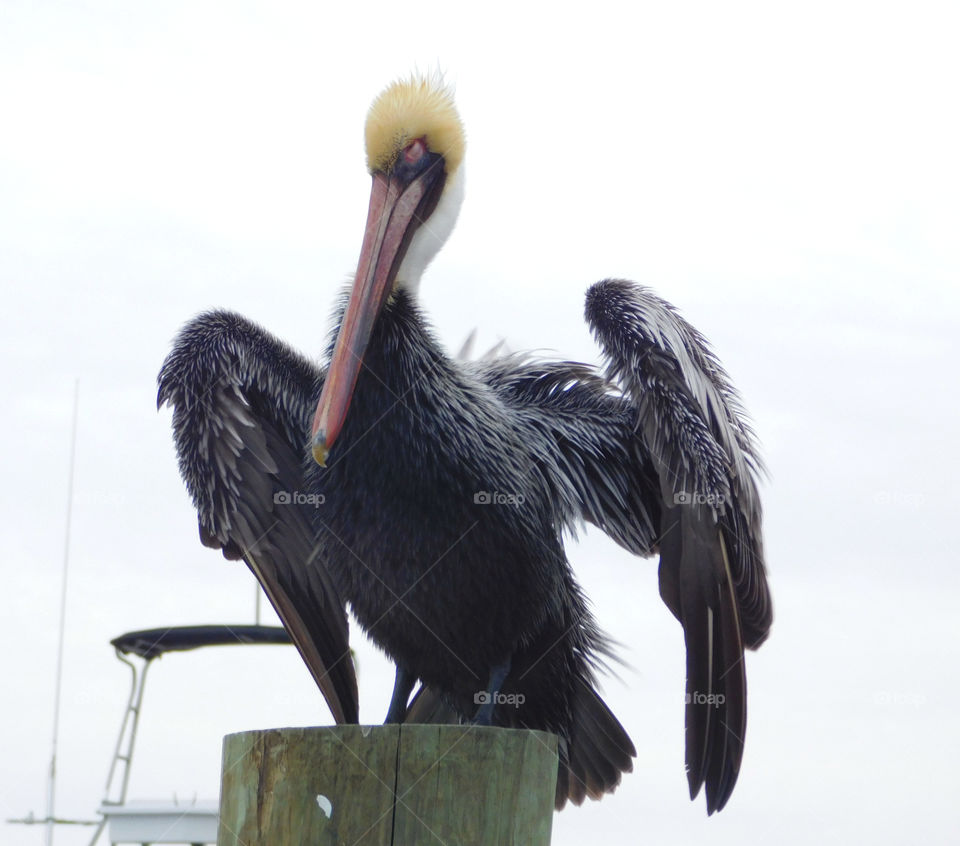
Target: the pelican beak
(396, 210)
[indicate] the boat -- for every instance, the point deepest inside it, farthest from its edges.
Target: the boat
(155, 821)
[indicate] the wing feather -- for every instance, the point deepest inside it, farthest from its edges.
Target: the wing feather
(586, 440)
(712, 576)
(241, 408)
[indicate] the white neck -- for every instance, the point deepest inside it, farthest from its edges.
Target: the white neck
(432, 234)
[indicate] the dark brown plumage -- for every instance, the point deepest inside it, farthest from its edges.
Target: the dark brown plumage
(447, 486)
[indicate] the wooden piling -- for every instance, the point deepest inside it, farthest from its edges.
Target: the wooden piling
(388, 786)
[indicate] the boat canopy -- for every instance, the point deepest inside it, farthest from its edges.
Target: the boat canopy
(151, 643)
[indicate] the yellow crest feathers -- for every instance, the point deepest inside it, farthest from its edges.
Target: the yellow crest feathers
(412, 108)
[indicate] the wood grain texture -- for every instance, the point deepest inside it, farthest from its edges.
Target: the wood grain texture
(399, 785)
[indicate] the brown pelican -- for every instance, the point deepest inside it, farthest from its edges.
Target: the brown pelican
(440, 489)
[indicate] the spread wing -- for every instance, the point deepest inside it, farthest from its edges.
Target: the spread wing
(241, 410)
(712, 575)
(660, 457)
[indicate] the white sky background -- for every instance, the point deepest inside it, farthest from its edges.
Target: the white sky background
(788, 179)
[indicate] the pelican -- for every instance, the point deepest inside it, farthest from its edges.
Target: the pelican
(432, 495)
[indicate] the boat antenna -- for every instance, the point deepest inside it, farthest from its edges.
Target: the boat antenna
(52, 784)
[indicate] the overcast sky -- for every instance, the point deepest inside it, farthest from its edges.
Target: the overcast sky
(789, 179)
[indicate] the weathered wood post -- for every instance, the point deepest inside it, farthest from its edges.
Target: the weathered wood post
(380, 785)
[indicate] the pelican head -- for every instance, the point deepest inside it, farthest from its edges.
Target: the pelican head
(415, 145)
(419, 107)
